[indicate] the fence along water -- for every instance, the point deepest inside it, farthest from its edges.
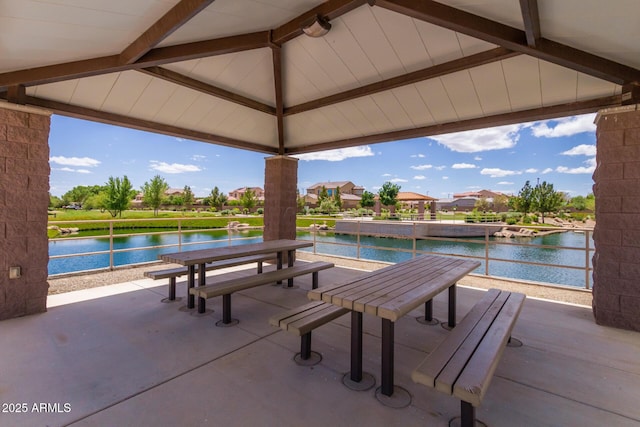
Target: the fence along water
(562, 258)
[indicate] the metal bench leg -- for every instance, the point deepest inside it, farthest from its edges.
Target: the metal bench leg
(279, 265)
(467, 414)
(305, 346)
(314, 280)
(356, 346)
(428, 311)
(226, 309)
(202, 305)
(387, 357)
(191, 280)
(259, 267)
(172, 288)
(452, 306)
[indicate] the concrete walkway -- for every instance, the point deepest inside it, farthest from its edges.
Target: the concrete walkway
(118, 356)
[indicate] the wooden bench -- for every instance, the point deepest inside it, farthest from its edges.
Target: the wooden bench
(463, 364)
(173, 273)
(226, 287)
(302, 320)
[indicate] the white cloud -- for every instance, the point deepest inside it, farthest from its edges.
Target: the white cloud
(581, 150)
(75, 161)
(477, 158)
(338, 154)
(65, 169)
(83, 171)
(421, 167)
(386, 174)
(417, 155)
(498, 173)
(531, 170)
(473, 141)
(173, 167)
(399, 180)
(198, 157)
(564, 127)
(463, 166)
(547, 170)
(589, 169)
(505, 183)
(445, 177)
(419, 177)
(440, 168)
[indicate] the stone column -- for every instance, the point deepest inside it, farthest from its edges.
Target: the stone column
(433, 210)
(24, 198)
(616, 263)
(421, 210)
(280, 207)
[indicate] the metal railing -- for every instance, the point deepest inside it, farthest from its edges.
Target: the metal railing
(412, 244)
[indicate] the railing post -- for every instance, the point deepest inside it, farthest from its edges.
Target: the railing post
(179, 235)
(586, 260)
(358, 241)
(486, 250)
(111, 245)
(415, 240)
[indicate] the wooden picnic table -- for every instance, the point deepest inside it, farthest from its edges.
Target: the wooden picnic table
(201, 257)
(390, 293)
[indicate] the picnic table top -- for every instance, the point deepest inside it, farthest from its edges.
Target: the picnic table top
(393, 291)
(203, 256)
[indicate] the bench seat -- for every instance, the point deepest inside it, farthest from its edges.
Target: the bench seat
(302, 320)
(226, 287)
(173, 273)
(464, 363)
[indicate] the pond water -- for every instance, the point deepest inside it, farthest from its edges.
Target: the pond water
(336, 244)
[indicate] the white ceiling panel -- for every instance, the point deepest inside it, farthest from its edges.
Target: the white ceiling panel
(196, 111)
(378, 122)
(522, 76)
(61, 91)
(151, 100)
(392, 109)
(414, 105)
(437, 100)
(92, 91)
(176, 105)
(462, 94)
(559, 85)
(125, 92)
(441, 44)
(590, 87)
(491, 88)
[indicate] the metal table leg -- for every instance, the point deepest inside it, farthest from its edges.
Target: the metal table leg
(387, 357)
(191, 283)
(356, 379)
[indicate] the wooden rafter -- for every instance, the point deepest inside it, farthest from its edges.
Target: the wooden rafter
(84, 113)
(460, 64)
(157, 56)
(513, 39)
(331, 9)
(163, 28)
(279, 95)
(182, 80)
(531, 19)
(542, 113)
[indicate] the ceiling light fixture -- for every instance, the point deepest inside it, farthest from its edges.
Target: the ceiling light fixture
(318, 28)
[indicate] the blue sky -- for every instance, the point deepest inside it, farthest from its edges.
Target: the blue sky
(561, 152)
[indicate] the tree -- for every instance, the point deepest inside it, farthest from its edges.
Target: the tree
(217, 199)
(324, 194)
(153, 193)
(547, 199)
(388, 193)
(328, 205)
(299, 201)
(525, 200)
(188, 197)
(482, 204)
(55, 201)
(337, 199)
(118, 194)
(367, 200)
(78, 194)
(248, 200)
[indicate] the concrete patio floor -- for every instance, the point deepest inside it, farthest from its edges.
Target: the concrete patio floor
(116, 355)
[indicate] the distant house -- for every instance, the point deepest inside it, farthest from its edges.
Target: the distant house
(350, 193)
(411, 200)
(458, 204)
(239, 192)
(486, 194)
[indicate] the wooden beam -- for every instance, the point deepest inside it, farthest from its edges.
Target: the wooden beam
(145, 125)
(163, 28)
(197, 85)
(277, 77)
(542, 113)
(17, 94)
(157, 56)
(460, 64)
(513, 39)
(531, 19)
(331, 9)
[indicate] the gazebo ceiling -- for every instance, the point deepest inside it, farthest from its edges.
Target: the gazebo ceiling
(242, 73)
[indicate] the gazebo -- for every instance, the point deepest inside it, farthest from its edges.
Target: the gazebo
(294, 76)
